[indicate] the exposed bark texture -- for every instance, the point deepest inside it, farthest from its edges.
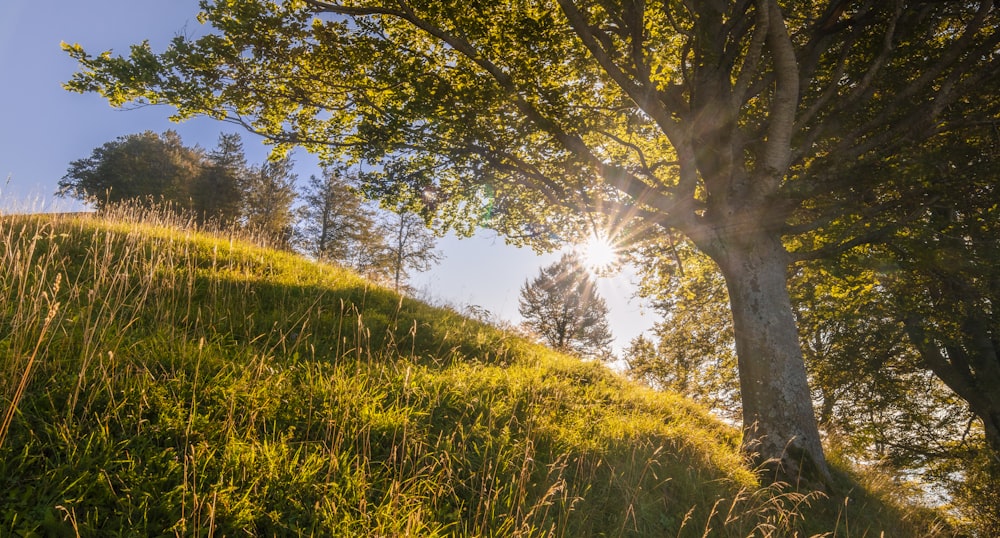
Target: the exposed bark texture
(780, 430)
(740, 230)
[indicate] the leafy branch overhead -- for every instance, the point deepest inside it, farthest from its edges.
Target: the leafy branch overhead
(599, 107)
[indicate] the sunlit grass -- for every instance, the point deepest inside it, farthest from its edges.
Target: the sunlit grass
(163, 381)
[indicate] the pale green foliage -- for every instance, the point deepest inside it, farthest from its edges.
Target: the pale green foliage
(339, 226)
(513, 112)
(877, 401)
(158, 169)
(691, 350)
(901, 333)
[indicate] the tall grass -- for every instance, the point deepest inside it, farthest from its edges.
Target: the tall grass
(162, 381)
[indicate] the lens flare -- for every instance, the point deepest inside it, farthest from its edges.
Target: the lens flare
(599, 253)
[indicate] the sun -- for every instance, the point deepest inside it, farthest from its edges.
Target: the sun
(599, 253)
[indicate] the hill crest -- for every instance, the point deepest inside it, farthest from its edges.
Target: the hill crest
(165, 381)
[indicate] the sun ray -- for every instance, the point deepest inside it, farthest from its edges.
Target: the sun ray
(599, 253)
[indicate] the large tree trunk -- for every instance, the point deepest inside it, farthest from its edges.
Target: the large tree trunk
(780, 430)
(738, 229)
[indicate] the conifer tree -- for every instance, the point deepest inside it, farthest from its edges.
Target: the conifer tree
(218, 191)
(563, 307)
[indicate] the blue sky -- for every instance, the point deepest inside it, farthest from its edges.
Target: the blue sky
(43, 128)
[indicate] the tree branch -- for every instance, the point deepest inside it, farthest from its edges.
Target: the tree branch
(950, 56)
(784, 104)
(856, 95)
(752, 59)
(644, 97)
(615, 176)
(868, 237)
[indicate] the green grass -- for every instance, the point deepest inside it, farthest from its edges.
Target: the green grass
(159, 382)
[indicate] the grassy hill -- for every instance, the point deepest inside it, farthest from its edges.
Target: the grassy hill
(158, 382)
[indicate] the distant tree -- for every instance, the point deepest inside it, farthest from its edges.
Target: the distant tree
(217, 194)
(147, 168)
(267, 202)
(409, 246)
(336, 223)
(562, 305)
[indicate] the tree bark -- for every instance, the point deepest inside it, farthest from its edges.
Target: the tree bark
(780, 432)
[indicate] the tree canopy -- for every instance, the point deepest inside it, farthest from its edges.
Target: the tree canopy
(146, 167)
(339, 226)
(749, 126)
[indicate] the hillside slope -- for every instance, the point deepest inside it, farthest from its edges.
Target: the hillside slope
(157, 381)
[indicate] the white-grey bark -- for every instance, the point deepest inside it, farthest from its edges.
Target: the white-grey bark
(780, 429)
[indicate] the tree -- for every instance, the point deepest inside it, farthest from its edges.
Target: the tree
(380, 244)
(563, 307)
(878, 400)
(408, 245)
(941, 276)
(148, 168)
(267, 202)
(941, 272)
(912, 316)
(336, 224)
(144, 168)
(743, 125)
(217, 193)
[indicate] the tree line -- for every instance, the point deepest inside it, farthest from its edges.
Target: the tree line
(327, 219)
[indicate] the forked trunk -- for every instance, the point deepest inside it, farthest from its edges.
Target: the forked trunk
(780, 430)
